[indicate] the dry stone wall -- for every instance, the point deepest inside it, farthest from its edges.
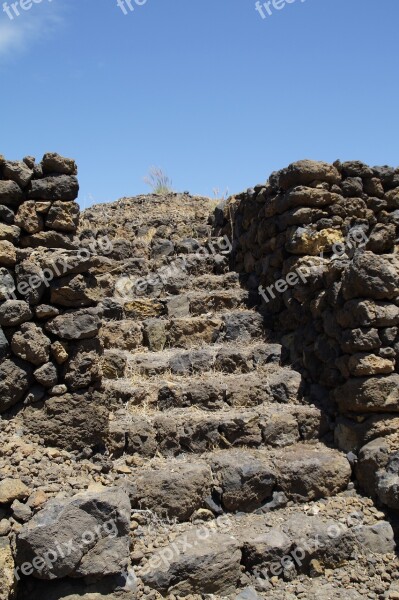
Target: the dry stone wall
(319, 242)
(49, 321)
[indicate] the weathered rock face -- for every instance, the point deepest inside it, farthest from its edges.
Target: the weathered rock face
(319, 242)
(50, 349)
(208, 566)
(85, 535)
(72, 421)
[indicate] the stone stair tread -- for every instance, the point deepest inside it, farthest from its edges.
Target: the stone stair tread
(210, 391)
(183, 330)
(190, 304)
(237, 479)
(209, 282)
(226, 357)
(182, 430)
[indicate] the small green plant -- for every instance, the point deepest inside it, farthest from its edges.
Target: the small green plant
(158, 181)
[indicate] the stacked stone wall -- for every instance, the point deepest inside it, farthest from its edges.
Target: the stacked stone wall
(49, 319)
(319, 242)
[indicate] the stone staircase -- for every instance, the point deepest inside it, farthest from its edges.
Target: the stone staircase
(202, 448)
(207, 422)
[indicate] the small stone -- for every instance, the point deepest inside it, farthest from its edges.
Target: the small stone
(43, 207)
(46, 375)
(58, 390)
(136, 556)
(35, 394)
(8, 256)
(123, 469)
(316, 570)
(30, 343)
(59, 352)
(37, 499)
(14, 312)
(5, 527)
(203, 514)
(46, 311)
(54, 163)
(12, 489)
(21, 511)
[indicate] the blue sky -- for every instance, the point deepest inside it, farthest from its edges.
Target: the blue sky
(207, 90)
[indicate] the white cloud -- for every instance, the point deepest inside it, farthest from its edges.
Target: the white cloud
(19, 34)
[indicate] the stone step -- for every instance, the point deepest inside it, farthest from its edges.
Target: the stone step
(198, 302)
(226, 358)
(189, 430)
(218, 556)
(210, 391)
(236, 479)
(195, 303)
(209, 282)
(164, 275)
(158, 333)
(196, 296)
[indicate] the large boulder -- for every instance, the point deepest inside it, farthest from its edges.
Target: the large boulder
(72, 421)
(367, 313)
(49, 239)
(304, 172)
(8, 255)
(60, 187)
(31, 281)
(247, 481)
(9, 233)
(82, 369)
(308, 473)
(371, 276)
(76, 325)
(17, 171)
(177, 490)
(74, 291)
(369, 394)
(63, 216)
(86, 535)
(201, 561)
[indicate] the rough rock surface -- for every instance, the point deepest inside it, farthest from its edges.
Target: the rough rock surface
(85, 535)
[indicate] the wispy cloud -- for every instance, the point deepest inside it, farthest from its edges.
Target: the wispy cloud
(18, 35)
